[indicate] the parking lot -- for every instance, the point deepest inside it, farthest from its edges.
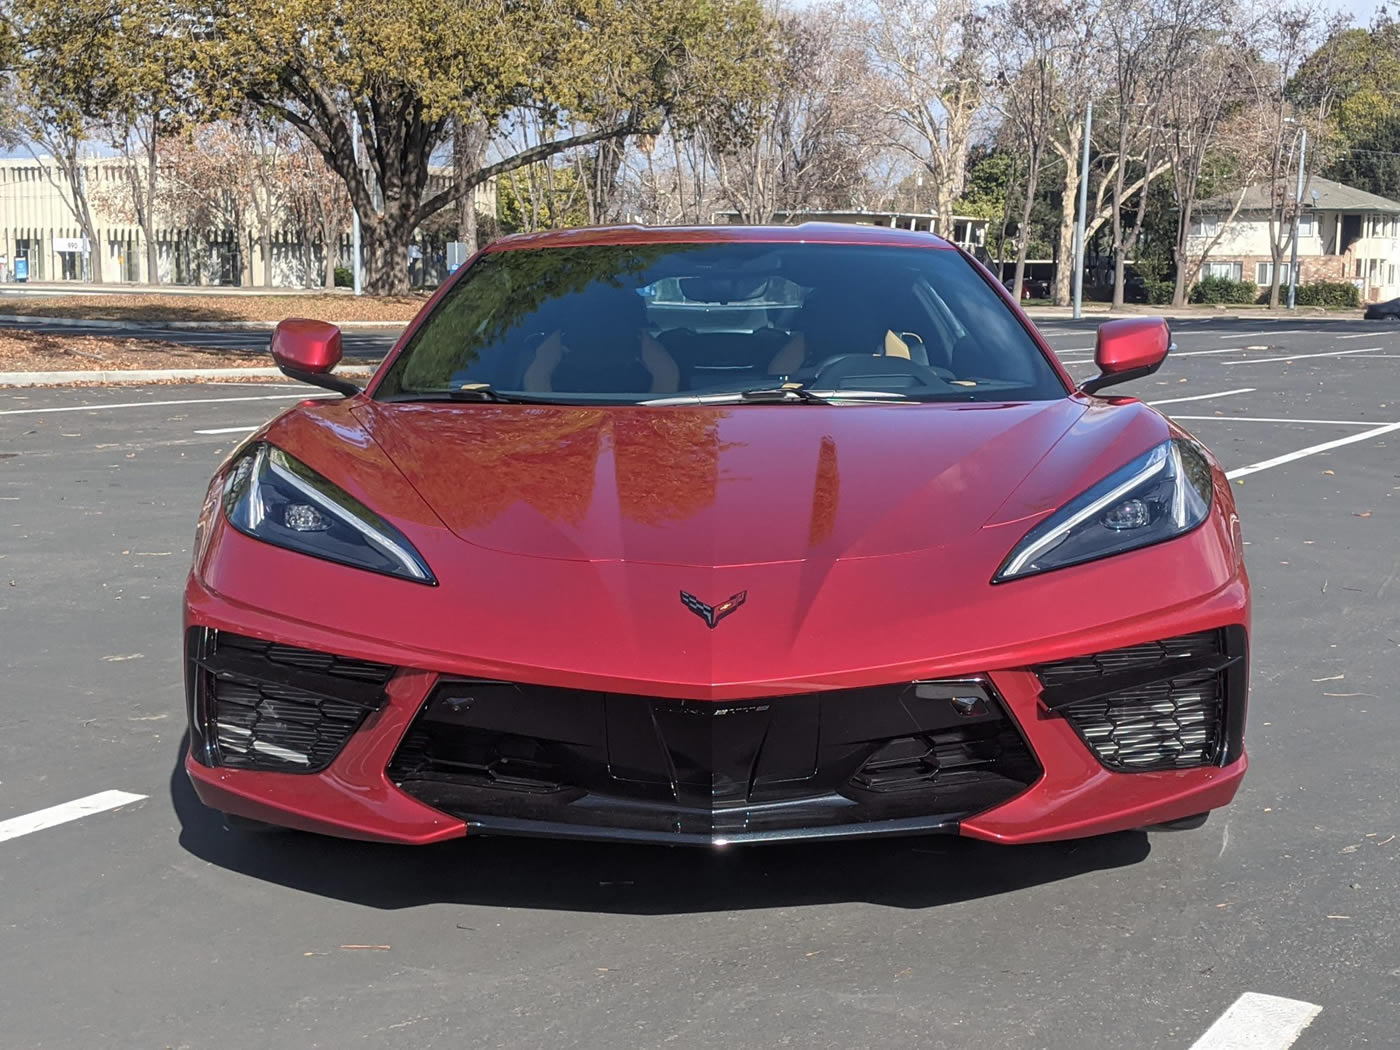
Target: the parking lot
(145, 923)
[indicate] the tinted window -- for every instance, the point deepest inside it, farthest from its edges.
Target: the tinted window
(645, 321)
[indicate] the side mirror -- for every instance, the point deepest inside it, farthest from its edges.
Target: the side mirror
(308, 351)
(1129, 348)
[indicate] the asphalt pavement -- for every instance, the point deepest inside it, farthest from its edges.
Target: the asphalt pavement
(149, 925)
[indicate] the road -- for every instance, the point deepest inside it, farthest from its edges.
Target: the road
(149, 925)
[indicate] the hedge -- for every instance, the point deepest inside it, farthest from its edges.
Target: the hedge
(1339, 294)
(1223, 290)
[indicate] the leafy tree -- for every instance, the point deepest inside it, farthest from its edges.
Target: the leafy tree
(408, 69)
(1362, 68)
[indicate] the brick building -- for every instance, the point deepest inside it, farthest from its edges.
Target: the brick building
(1344, 234)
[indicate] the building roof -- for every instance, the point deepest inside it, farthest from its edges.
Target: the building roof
(1331, 196)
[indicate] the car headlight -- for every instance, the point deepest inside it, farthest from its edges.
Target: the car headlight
(276, 498)
(1162, 494)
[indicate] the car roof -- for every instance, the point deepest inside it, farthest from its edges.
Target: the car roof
(807, 232)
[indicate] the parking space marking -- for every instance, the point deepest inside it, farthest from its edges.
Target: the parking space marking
(1255, 335)
(1311, 450)
(1202, 353)
(42, 819)
(229, 430)
(1355, 335)
(1203, 397)
(1259, 1022)
(1279, 419)
(158, 404)
(1303, 357)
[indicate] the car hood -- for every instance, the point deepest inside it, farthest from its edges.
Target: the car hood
(716, 486)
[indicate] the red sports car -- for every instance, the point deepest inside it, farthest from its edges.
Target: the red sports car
(712, 536)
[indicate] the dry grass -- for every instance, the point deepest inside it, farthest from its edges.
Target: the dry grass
(25, 351)
(137, 307)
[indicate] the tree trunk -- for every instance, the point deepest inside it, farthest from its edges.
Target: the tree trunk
(1023, 240)
(148, 226)
(1064, 269)
(468, 153)
(330, 250)
(385, 244)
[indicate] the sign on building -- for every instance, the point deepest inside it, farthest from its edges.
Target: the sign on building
(72, 244)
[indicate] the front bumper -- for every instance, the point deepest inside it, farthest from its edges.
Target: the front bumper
(437, 756)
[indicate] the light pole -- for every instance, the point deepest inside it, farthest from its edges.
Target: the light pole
(355, 228)
(1297, 213)
(1079, 218)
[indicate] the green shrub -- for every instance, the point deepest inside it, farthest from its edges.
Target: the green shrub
(1336, 294)
(1213, 290)
(344, 278)
(1159, 293)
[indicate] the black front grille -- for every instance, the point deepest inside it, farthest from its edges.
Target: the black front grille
(262, 705)
(501, 753)
(1171, 704)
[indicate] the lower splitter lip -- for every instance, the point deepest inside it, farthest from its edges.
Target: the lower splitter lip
(837, 833)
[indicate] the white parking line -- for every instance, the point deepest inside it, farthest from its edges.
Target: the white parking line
(1259, 1022)
(229, 430)
(1255, 335)
(62, 814)
(1303, 357)
(1355, 335)
(1311, 450)
(1274, 419)
(1203, 397)
(158, 404)
(1202, 353)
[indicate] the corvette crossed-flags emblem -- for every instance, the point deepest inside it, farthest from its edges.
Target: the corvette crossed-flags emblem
(713, 614)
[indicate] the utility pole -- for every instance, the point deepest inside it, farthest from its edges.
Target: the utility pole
(355, 148)
(1297, 213)
(1079, 218)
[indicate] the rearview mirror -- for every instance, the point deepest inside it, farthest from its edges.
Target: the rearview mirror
(1129, 348)
(307, 351)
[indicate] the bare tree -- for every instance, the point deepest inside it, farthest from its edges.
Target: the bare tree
(931, 62)
(1212, 95)
(318, 203)
(1143, 40)
(66, 167)
(805, 143)
(1043, 44)
(1288, 37)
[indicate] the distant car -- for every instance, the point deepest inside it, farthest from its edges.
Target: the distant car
(604, 552)
(1386, 311)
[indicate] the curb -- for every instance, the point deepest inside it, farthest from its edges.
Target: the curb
(151, 375)
(78, 322)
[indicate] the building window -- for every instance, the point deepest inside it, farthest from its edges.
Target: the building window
(1232, 271)
(1358, 268)
(1264, 274)
(1204, 227)
(1305, 225)
(1391, 272)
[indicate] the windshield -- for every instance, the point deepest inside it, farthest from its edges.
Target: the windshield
(667, 322)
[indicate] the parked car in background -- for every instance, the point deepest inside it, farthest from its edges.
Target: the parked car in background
(1386, 311)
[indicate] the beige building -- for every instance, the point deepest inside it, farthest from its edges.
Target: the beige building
(1344, 234)
(41, 240)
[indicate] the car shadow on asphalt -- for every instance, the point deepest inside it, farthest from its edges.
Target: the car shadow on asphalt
(922, 872)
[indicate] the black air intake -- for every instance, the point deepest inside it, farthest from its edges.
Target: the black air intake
(261, 705)
(1178, 703)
